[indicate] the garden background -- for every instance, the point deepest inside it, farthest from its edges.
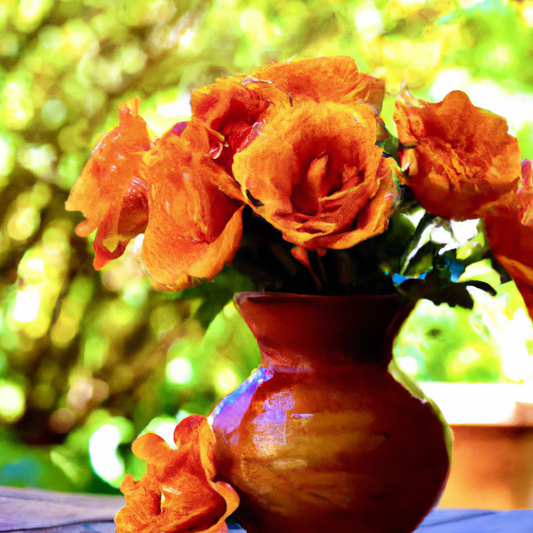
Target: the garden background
(88, 359)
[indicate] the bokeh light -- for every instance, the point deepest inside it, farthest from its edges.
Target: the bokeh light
(103, 451)
(12, 401)
(179, 371)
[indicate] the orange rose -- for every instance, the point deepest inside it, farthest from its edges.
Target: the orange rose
(111, 192)
(315, 173)
(509, 229)
(171, 190)
(300, 138)
(194, 207)
(178, 493)
(459, 158)
(184, 191)
(235, 106)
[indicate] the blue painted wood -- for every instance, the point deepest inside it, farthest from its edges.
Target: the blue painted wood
(467, 521)
(90, 527)
(477, 521)
(439, 521)
(34, 511)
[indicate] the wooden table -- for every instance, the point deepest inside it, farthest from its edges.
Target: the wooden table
(56, 512)
(26, 510)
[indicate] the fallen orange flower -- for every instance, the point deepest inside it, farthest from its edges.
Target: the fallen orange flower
(111, 192)
(509, 228)
(179, 492)
(459, 158)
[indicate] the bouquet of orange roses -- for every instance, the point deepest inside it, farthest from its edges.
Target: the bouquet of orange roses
(288, 174)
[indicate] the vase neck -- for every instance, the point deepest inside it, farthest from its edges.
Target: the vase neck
(300, 331)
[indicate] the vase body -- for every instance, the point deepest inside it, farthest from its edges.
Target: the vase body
(321, 437)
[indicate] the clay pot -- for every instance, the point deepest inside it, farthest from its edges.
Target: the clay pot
(321, 437)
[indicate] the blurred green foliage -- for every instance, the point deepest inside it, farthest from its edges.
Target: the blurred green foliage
(89, 360)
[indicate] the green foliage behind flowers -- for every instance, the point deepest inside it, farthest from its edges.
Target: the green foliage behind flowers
(92, 358)
(491, 342)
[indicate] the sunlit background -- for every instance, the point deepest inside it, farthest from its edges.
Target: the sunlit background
(89, 360)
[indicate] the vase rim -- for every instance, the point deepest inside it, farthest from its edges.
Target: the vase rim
(264, 295)
(318, 329)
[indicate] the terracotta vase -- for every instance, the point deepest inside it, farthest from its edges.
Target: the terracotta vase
(321, 438)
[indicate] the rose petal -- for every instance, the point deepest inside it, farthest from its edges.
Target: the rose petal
(111, 190)
(459, 158)
(525, 194)
(326, 79)
(373, 218)
(227, 101)
(232, 502)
